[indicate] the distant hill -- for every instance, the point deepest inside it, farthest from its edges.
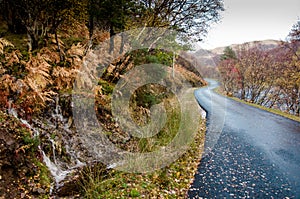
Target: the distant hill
(206, 57)
(265, 45)
(210, 58)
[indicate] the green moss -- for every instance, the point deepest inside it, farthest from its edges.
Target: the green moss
(134, 193)
(18, 40)
(44, 173)
(52, 136)
(71, 40)
(107, 133)
(107, 88)
(31, 142)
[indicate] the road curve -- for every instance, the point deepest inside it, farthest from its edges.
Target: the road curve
(249, 153)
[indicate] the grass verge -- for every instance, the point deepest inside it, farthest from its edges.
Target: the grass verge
(172, 181)
(275, 111)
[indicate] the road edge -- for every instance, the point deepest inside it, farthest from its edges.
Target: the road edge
(274, 111)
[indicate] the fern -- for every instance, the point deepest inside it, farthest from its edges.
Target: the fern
(4, 43)
(64, 77)
(50, 55)
(38, 79)
(13, 58)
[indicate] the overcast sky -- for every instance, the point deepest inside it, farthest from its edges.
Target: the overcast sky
(249, 20)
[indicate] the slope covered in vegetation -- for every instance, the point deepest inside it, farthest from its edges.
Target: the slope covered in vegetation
(46, 45)
(267, 77)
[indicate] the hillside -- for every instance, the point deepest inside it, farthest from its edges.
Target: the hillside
(264, 44)
(209, 58)
(39, 90)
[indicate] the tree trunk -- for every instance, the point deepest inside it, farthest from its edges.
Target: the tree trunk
(122, 44)
(58, 47)
(243, 90)
(112, 43)
(33, 42)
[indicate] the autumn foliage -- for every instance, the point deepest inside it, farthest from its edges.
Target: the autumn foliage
(266, 77)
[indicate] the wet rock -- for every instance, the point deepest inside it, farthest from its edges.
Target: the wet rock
(20, 162)
(69, 187)
(39, 190)
(72, 185)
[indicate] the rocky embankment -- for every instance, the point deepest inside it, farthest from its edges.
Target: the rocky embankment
(22, 171)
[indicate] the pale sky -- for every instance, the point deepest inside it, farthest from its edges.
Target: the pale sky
(249, 20)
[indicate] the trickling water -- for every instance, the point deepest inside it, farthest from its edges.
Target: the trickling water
(56, 172)
(58, 168)
(57, 112)
(54, 169)
(53, 149)
(11, 110)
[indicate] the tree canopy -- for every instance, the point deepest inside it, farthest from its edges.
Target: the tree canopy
(294, 34)
(228, 53)
(37, 18)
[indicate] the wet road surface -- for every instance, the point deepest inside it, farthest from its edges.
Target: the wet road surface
(249, 153)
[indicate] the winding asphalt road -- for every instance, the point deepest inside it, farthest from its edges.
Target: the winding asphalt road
(249, 153)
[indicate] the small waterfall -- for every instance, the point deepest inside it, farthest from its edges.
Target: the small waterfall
(53, 149)
(57, 116)
(11, 110)
(58, 168)
(55, 170)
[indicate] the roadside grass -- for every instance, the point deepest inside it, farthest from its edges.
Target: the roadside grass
(172, 181)
(275, 111)
(164, 136)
